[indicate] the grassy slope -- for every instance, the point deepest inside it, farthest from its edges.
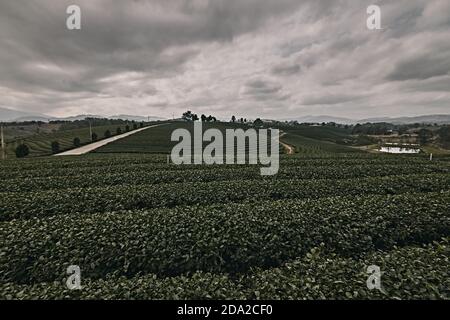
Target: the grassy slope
(318, 139)
(435, 150)
(158, 139)
(307, 145)
(323, 133)
(154, 140)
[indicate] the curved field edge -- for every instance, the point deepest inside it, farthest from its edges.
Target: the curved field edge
(407, 273)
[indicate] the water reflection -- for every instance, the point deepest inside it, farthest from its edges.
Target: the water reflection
(399, 150)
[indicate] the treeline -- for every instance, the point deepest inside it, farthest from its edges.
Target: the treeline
(385, 128)
(425, 133)
(77, 124)
(381, 128)
(73, 124)
(444, 136)
(190, 116)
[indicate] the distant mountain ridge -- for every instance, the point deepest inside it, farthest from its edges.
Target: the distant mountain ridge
(10, 115)
(427, 119)
(135, 118)
(322, 118)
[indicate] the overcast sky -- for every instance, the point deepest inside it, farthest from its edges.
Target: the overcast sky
(268, 58)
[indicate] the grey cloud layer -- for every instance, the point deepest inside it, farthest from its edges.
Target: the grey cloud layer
(271, 58)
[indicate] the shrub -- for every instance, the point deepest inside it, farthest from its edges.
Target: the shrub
(127, 128)
(135, 126)
(94, 136)
(107, 134)
(119, 130)
(141, 124)
(77, 142)
(22, 151)
(55, 146)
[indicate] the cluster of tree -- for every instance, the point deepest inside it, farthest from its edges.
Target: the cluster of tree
(425, 136)
(77, 124)
(381, 128)
(108, 133)
(189, 116)
(25, 123)
(209, 118)
(258, 122)
(384, 128)
(22, 150)
(241, 120)
(444, 136)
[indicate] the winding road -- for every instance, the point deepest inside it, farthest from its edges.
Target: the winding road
(289, 149)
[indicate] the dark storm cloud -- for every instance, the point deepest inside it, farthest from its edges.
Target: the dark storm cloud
(422, 67)
(278, 57)
(435, 84)
(256, 87)
(285, 69)
(116, 36)
(264, 89)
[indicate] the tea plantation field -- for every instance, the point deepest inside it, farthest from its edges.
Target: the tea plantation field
(40, 144)
(140, 228)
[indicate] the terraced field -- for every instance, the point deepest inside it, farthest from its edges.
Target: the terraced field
(158, 140)
(140, 228)
(40, 144)
(306, 145)
(332, 134)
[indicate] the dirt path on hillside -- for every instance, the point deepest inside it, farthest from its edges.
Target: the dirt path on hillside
(289, 149)
(95, 145)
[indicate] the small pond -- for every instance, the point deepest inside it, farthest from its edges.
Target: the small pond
(399, 150)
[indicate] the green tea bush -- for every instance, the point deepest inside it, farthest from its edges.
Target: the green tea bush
(223, 238)
(147, 175)
(129, 197)
(407, 273)
(76, 142)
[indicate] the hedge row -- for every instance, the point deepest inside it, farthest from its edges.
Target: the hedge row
(229, 238)
(407, 273)
(113, 198)
(33, 167)
(146, 176)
